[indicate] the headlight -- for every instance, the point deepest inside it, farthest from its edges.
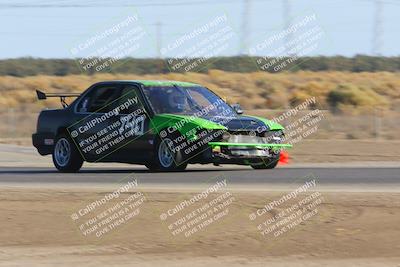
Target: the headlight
(226, 136)
(273, 137)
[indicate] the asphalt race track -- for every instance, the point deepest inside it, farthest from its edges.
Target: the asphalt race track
(325, 176)
(17, 167)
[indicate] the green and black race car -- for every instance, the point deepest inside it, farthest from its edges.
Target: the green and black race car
(164, 125)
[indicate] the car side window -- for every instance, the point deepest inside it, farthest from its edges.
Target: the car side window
(99, 99)
(131, 98)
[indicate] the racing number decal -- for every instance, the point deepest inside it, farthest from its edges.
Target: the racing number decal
(134, 125)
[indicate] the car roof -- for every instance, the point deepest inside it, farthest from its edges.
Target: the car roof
(155, 82)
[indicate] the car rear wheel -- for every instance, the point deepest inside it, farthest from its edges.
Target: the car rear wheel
(266, 164)
(66, 157)
(166, 157)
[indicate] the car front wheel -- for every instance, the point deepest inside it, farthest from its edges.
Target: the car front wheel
(166, 157)
(266, 164)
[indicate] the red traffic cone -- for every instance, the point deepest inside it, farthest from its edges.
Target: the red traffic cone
(284, 158)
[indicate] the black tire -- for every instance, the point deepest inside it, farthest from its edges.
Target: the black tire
(266, 164)
(160, 164)
(66, 157)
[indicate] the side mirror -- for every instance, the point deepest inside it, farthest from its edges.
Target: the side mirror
(238, 109)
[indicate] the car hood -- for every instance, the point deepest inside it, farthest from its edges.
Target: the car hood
(247, 123)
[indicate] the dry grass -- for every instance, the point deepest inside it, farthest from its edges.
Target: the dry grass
(362, 91)
(362, 97)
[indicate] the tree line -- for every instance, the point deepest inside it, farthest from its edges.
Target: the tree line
(20, 67)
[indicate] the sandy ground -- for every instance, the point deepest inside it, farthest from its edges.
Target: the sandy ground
(347, 229)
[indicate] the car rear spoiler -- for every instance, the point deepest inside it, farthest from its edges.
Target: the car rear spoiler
(42, 96)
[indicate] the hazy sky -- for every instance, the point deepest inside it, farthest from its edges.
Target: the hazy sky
(49, 29)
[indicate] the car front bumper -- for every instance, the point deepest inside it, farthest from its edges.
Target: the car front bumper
(240, 153)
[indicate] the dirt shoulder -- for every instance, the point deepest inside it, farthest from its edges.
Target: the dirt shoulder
(353, 229)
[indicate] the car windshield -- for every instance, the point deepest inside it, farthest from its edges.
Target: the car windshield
(198, 101)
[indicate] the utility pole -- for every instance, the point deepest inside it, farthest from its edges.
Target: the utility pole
(159, 46)
(287, 15)
(377, 41)
(245, 27)
(159, 38)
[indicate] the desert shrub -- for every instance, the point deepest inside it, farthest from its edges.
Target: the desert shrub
(351, 95)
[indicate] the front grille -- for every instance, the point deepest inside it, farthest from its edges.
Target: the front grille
(270, 137)
(240, 138)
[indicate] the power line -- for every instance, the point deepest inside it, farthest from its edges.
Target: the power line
(80, 5)
(93, 3)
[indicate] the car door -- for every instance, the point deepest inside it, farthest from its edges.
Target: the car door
(135, 126)
(96, 129)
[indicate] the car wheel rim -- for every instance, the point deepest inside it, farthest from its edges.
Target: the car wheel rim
(165, 155)
(62, 152)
